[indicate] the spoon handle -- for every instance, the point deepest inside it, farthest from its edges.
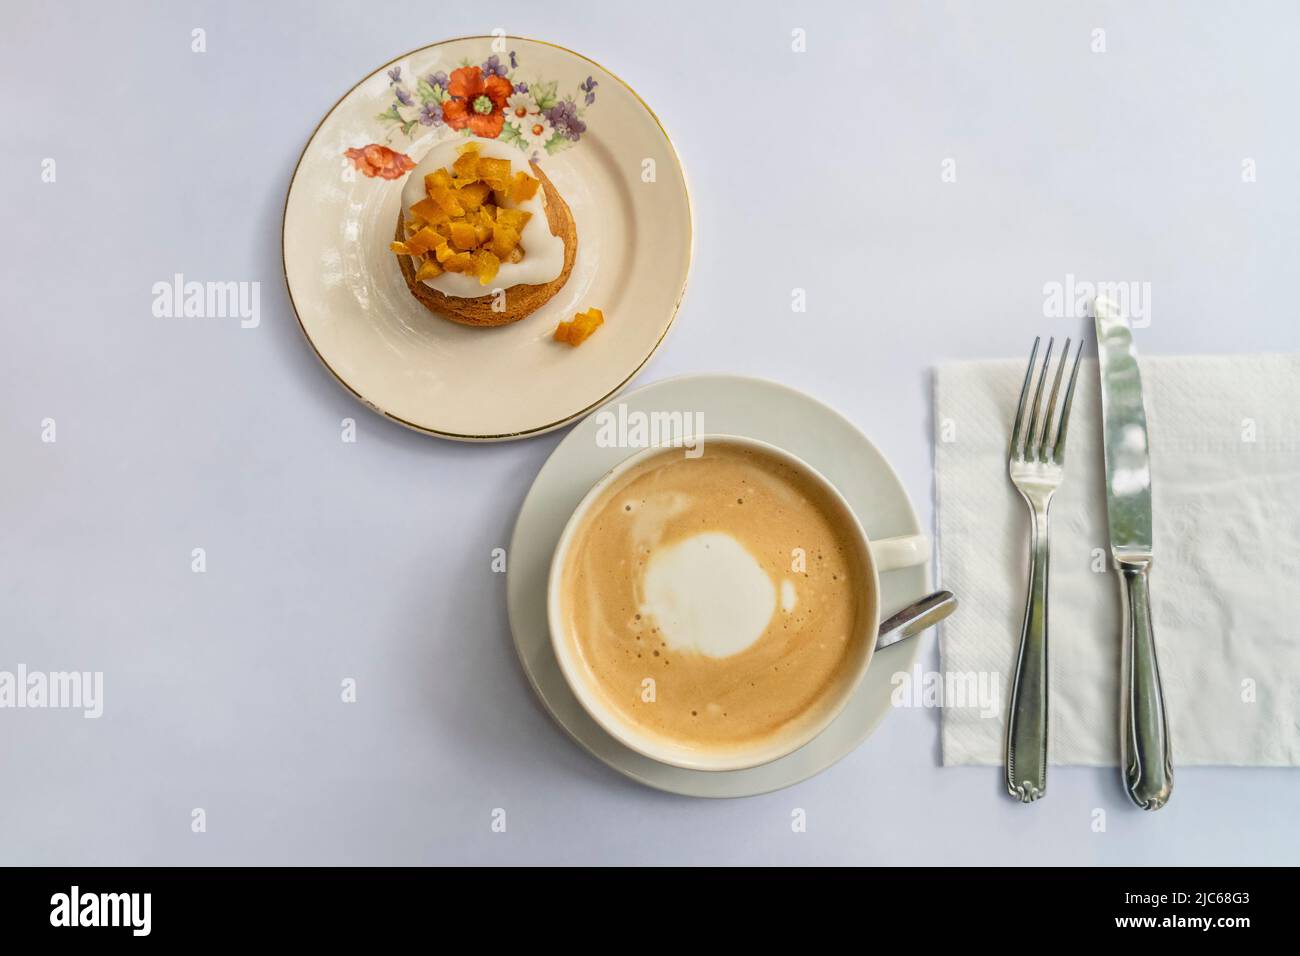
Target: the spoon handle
(915, 618)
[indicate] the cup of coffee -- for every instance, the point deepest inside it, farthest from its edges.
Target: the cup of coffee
(716, 609)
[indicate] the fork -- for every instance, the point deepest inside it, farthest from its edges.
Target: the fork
(1036, 462)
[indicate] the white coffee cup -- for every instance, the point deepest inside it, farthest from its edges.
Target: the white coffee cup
(875, 556)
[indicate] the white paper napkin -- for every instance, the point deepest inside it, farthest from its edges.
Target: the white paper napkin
(1225, 583)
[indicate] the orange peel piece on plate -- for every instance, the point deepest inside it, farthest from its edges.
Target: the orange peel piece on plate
(580, 328)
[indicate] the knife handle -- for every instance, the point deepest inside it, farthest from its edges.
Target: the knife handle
(1145, 757)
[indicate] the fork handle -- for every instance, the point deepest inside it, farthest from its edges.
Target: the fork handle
(1027, 719)
(1145, 757)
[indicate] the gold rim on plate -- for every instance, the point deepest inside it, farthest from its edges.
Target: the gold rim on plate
(540, 429)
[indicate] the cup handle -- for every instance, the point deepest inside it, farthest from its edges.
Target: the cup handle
(905, 551)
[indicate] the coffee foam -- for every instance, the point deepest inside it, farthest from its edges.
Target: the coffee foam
(730, 582)
(708, 595)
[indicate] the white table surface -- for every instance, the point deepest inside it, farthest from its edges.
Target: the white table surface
(328, 560)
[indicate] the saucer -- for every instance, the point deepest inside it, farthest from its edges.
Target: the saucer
(607, 155)
(734, 405)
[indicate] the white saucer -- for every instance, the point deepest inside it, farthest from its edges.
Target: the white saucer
(738, 406)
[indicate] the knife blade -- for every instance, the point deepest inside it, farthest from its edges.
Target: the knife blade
(1124, 434)
(1145, 754)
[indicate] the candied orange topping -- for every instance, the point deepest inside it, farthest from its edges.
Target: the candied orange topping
(523, 187)
(429, 269)
(581, 327)
(468, 221)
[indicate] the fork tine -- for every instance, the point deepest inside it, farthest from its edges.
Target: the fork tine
(1034, 440)
(1058, 453)
(1014, 450)
(1050, 425)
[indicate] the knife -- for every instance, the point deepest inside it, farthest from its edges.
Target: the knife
(1145, 758)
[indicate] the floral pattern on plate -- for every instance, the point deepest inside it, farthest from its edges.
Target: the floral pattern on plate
(491, 100)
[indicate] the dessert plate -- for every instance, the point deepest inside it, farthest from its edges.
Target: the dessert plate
(733, 405)
(607, 155)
